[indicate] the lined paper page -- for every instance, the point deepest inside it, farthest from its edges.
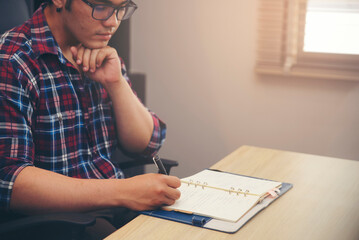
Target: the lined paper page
(216, 203)
(227, 180)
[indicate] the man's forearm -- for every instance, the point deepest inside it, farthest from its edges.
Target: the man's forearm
(36, 191)
(134, 122)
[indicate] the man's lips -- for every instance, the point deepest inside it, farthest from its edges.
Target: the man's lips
(105, 33)
(105, 36)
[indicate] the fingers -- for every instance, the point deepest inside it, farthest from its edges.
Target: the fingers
(173, 181)
(101, 57)
(92, 60)
(171, 193)
(89, 59)
(74, 52)
(167, 196)
(150, 191)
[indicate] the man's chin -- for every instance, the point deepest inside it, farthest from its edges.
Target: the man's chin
(95, 44)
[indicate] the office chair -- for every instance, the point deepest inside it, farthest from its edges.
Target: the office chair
(60, 225)
(14, 12)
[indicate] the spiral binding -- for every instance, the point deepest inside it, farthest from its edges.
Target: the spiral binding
(231, 190)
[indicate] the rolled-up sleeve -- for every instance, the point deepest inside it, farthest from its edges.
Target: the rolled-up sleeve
(16, 145)
(157, 138)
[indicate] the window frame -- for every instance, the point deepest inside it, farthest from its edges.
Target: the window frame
(288, 57)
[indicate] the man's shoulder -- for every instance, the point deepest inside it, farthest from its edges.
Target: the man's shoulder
(16, 41)
(17, 56)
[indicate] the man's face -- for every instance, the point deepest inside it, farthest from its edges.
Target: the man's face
(82, 28)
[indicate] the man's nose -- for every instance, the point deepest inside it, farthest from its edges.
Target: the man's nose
(112, 21)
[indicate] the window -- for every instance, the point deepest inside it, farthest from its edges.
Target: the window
(309, 38)
(332, 27)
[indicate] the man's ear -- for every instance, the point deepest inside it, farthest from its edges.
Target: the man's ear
(58, 3)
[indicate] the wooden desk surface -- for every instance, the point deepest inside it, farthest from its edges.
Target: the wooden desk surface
(323, 204)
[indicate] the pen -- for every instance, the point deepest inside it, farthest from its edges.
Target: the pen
(159, 165)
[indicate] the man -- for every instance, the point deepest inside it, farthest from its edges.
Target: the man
(66, 103)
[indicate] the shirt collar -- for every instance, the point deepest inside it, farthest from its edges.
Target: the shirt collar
(43, 41)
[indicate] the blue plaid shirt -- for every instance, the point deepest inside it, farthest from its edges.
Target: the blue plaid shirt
(50, 116)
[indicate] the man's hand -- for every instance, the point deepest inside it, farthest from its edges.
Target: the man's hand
(134, 122)
(41, 191)
(101, 65)
(150, 191)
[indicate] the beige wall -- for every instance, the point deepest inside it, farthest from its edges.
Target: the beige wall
(199, 59)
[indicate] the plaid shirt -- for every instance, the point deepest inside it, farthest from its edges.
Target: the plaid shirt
(50, 116)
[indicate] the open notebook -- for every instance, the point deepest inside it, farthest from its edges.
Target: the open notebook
(221, 200)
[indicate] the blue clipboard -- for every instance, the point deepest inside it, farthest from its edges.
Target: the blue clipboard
(216, 224)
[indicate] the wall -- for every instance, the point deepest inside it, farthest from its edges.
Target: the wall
(199, 58)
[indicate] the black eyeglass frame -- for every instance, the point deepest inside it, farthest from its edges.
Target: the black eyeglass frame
(128, 4)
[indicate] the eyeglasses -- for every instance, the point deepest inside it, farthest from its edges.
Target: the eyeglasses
(103, 12)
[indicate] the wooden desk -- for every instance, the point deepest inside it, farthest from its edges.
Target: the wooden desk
(323, 204)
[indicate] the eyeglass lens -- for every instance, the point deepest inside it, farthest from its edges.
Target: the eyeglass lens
(102, 12)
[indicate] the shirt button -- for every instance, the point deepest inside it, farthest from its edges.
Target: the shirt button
(59, 116)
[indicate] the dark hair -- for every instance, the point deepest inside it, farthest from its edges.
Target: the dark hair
(37, 3)
(67, 5)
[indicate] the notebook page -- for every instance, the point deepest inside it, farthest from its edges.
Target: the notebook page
(220, 204)
(227, 181)
(213, 203)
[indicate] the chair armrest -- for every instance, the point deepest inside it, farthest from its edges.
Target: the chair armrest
(168, 164)
(74, 219)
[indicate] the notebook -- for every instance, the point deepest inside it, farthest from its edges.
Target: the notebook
(220, 200)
